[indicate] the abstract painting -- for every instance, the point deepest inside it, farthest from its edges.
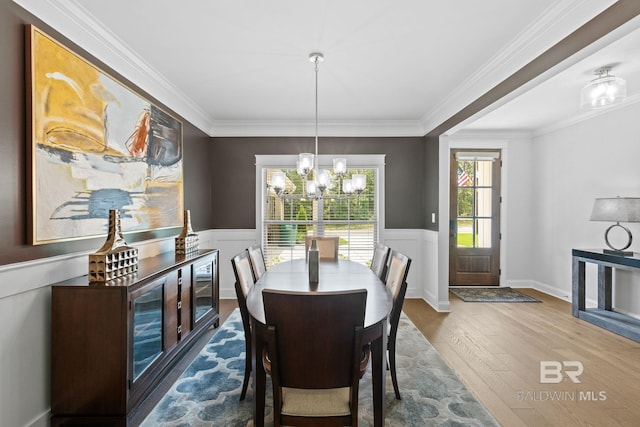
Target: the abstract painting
(95, 145)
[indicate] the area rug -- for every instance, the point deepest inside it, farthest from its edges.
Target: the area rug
(208, 392)
(491, 295)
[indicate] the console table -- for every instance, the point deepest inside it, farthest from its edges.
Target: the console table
(603, 315)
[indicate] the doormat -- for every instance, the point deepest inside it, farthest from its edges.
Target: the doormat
(491, 295)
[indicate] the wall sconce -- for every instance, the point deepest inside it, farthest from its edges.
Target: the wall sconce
(617, 209)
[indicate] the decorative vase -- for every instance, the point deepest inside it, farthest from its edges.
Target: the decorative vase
(187, 241)
(115, 258)
(314, 262)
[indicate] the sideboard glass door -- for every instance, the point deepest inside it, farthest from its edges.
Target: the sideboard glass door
(203, 288)
(147, 329)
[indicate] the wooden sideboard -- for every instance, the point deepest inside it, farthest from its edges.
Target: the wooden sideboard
(113, 342)
(603, 315)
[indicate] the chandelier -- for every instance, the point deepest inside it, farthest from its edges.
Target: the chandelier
(603, 91)
(317, 186)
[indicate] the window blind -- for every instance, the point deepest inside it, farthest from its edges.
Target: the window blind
(287, 220)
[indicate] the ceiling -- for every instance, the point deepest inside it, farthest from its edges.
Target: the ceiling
(390, 68)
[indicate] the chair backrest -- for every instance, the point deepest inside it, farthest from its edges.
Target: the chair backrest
(379, 260)
(317, 338)
(397, 270)
(257, 261)
(242, 269)
(327, 247)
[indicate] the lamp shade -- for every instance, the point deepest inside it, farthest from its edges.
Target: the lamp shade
(603, 91)
(339, 165)
(323, 180)
(358, 182)
(305, 163)
(616, 209)
(278, 181)
(311, 187)
(347, 187)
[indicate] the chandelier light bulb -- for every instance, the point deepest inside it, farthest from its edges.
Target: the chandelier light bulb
(339, 166)
(311, 188)
(278, 182)
(305, 164)
(359, 182)
(347, 187)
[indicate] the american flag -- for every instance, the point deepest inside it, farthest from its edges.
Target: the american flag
(463, 178)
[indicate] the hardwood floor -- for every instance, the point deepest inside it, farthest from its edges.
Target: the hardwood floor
(496, 349)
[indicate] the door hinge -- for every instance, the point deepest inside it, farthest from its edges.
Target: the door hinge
(499, 272)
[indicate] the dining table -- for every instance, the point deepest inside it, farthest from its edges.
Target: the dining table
(334, 276)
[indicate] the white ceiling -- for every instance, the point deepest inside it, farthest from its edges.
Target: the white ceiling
(554, 100)
(391, 68)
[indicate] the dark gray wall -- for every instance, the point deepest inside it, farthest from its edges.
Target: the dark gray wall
(13, 146)
(406, 165)
(431, 181)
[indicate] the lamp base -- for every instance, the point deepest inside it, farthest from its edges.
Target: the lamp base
(617, 252)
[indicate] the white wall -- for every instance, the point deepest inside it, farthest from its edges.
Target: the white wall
(598, 157)
(516, 212)
(549, 182)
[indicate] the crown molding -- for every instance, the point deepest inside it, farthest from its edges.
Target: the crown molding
(586, 115)
(529, 44)
(491, 134)
(73, 21)
(378, 128)
(70, 19)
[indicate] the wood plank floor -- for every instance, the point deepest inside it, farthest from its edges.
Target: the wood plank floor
(496, 349)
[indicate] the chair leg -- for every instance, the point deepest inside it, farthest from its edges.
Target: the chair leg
(392, 368)
(247, 370)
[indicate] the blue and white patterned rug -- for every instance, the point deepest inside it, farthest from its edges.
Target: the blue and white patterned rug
(208, 392)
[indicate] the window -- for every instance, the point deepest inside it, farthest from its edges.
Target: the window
(475, 189)
(286, 220)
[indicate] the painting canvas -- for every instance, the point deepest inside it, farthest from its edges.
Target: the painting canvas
(96, 145)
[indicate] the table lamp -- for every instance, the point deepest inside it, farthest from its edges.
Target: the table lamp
(617, 209)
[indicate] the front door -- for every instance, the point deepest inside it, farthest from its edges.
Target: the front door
(474, 223)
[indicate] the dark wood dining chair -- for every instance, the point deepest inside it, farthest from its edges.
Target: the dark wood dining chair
(244, 281)
(379, 260)
(396, 281)
(327, 246)
(257, 261)
(314, 355)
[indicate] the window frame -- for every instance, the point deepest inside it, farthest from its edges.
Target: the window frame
(288, 161)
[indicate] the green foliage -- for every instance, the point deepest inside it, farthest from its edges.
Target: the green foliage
(302, 228)
(465, 194)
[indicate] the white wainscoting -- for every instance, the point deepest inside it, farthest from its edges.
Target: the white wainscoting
(25, 313)
(25, 307)
(420, 245)
(230, 243)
